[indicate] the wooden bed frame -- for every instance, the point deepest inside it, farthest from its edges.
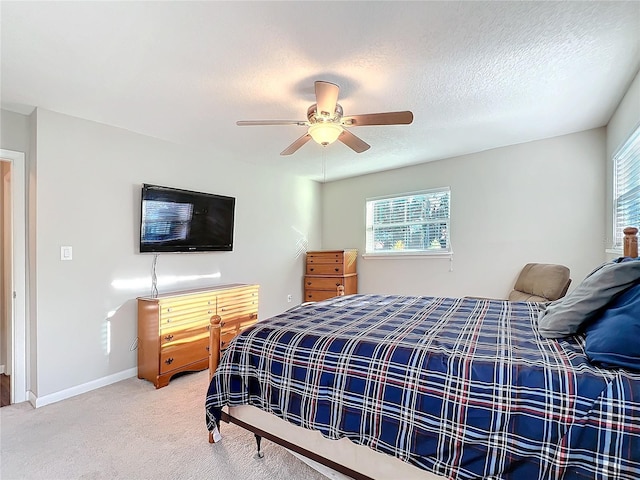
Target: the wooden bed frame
(630, 249)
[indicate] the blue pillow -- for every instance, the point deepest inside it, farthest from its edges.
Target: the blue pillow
(613, 337)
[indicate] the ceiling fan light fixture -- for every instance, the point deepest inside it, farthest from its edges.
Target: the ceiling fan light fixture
(325, 133)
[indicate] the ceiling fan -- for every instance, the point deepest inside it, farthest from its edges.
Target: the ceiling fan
(326, 124)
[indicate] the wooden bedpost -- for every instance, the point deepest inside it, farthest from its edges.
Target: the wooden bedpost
(214, 344)
(214, 350)
(630, 243)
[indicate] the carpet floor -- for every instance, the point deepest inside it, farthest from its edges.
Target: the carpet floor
(130, 430)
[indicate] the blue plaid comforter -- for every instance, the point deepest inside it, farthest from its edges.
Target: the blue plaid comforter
(464, 388)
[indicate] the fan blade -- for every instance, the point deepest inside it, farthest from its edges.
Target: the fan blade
(246, 123)
(353, 142)
(326, 97)
(296, 145)
(388, 118)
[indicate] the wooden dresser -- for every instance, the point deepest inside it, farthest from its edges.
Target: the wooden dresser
(329, 270)
(173, 328)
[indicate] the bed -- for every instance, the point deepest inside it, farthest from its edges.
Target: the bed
(389, 386)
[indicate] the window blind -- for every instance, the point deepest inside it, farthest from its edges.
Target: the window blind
(409, 223)
(626, 188)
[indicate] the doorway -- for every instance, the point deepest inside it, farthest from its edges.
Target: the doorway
(13, 276)
(6, 283)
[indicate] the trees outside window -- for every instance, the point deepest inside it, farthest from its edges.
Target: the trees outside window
(415, 222)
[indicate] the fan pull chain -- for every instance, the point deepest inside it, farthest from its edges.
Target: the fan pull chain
(324, 166)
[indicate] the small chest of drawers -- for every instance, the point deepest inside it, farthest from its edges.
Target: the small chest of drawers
(173, 329)
(329, 272)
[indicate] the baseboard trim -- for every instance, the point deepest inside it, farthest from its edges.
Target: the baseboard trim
(38, 402)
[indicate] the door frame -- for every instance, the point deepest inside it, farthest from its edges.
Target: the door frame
(19, 275)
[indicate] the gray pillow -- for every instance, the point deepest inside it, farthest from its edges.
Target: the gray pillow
(564, 316)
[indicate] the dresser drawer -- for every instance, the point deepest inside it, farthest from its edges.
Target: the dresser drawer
(236, 324)
(331, 262)
(324, 269)
(237, 311)
(229, 329)
(325, 257)
(180, 354)
(187, 303)
(173, 322)
(323, 283)
(243, 297)
(176, 335)
(186, 313)
(317, 295)
(225, 338)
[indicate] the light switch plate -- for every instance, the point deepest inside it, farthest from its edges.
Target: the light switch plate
(66, 253)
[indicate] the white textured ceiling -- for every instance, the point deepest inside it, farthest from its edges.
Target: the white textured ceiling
(477, 75)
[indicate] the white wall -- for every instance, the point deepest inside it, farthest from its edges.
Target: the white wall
(5, 278)
(625, 120)
(14, 131)
(542, 201)
(88, 178)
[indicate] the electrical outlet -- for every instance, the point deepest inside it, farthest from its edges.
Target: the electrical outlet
(289, 298)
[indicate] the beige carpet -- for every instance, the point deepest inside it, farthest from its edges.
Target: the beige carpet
(130, 430)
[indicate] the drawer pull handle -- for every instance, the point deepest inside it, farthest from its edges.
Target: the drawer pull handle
(337, 269)
(207, 347)
(223, 309)
(168, 338)
(311, 269)
(309, 283)
(221, 324)
(168, 320)
(169, 361)
(222, 344)
(168, 309)
(254, 315)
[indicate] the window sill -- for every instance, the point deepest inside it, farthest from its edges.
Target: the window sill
(388, 256)
(614, 251)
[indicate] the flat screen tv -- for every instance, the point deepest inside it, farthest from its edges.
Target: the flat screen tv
(175, 220)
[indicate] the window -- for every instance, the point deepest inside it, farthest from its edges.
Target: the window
(626, 188)
(412, 223)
